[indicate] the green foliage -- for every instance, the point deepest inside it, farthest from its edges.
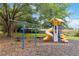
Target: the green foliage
(27, 13)
(77, 34)
(11, 12)
(47, 11)
(24, 12)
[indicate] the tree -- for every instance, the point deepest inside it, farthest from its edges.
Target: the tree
(24, 12)
(11, 12)
(48, 11)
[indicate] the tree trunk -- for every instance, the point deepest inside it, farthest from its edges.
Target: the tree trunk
(8, 32)
(9, 26)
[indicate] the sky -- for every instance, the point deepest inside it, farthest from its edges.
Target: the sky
(74, 17)
(74, 9)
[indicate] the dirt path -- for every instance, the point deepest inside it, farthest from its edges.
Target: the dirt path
(12, 48)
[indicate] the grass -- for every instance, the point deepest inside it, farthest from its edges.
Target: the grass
(1, 32)
(72, 38)
(32, 35)
(29, 35)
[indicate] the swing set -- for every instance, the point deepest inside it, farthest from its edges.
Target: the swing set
(24, 27)
(56, 26)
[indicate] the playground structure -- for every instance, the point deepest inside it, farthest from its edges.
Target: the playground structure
(24, 27)
(53, 33)
(57, 35)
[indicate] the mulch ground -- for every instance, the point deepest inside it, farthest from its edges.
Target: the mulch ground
(9, 47)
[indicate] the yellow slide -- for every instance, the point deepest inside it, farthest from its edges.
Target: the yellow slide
(50, 35)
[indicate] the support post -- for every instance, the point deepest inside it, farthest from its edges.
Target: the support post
(35, 40)
(59, 32)
(23, 37)
(55, 38)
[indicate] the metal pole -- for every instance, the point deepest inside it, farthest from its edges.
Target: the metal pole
(35, 40)
(59, 32)
(55, 39)
(23, 37)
